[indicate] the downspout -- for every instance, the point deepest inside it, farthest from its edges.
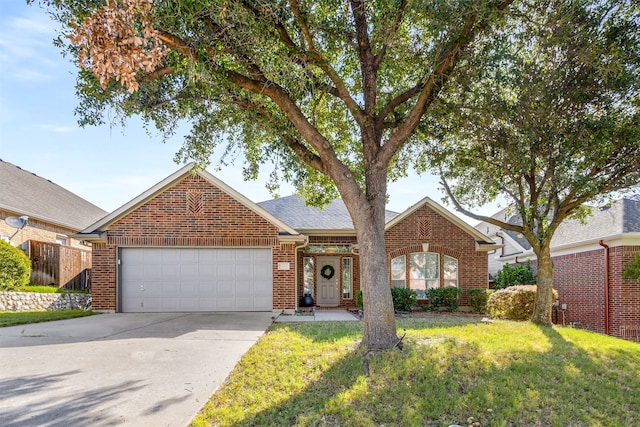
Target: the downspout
(295, 269)
(606, 286)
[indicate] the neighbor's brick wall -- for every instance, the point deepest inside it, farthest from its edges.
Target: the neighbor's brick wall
(579, 280)
(191, 213)
(445, 238)
(37, 230)
(624, 305)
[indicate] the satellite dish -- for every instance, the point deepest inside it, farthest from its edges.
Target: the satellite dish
(16, 221)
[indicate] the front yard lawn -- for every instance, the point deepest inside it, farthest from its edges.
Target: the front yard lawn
(12, 318)
(451, 371)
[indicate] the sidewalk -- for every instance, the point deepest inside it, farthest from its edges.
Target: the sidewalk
(318, 316)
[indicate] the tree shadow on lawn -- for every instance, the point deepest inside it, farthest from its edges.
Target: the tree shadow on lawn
(442, 379)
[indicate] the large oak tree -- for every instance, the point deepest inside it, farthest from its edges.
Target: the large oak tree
(545, 115)
(330, 91)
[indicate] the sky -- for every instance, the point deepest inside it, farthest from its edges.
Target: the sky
(106, 166)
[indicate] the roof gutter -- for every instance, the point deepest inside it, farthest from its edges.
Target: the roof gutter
(606, 286)
(93, 237)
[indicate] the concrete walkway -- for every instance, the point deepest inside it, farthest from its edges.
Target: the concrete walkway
(319, 316)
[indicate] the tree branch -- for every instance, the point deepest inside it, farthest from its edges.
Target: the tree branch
(490, 220)
(436, 80)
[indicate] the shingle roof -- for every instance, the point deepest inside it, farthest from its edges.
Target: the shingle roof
(622, 216)
(25, 193)
(292, 211)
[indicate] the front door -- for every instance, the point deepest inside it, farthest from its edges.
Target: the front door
(328, 281)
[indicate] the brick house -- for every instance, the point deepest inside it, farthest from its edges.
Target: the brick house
(192, 243)
(51, 216)
(588, 261)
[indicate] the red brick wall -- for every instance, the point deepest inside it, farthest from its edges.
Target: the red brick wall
(191, 213)
(445, 238)
(580, 281)
(624, 294)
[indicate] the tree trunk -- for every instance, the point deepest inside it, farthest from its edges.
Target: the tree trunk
(368, 215)
(379, 319)
(543, 306)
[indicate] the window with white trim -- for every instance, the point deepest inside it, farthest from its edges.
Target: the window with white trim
(399, 272)
(450, 272)
(424, 272)
(308, 275)
(347, 278)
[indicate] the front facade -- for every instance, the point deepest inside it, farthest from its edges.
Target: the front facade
(588, 261)
(191, 243)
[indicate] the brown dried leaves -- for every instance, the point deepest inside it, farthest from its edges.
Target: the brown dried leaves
(117, 41)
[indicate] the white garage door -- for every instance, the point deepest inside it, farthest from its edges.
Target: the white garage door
(185, 280)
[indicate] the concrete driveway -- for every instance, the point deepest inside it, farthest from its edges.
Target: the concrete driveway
(120, 369)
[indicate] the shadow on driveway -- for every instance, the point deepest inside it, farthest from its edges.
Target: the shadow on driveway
(120, 369)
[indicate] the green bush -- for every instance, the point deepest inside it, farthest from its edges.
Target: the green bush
(443, 297)
(513, 275)
(359, 300)
(514, 302)
(478, 298)
(632, 270)
(403, 299)
(15, 267)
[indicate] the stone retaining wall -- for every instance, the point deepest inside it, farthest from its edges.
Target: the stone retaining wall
(32, 301)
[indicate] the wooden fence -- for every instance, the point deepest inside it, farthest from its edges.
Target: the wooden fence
(61, 266)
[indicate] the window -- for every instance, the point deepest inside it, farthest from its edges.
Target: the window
(399, 272)
(346, 278)
(61, 240)
(308, 275)
(450, 272)
(424, 272)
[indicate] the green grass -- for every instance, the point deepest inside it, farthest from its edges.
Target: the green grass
(451, 369)
(11, 318)
(46, 289)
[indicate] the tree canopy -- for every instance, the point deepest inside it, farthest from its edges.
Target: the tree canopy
(328, 91)
(547, 115)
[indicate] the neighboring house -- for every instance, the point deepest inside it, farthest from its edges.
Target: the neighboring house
(588, 260)
(51, 215)
(192, 243)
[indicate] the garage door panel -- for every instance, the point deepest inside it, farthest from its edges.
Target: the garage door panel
(188, 279)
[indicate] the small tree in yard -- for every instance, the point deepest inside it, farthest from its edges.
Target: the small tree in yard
(547, 117)
(15, 267)
(512, 275)
(331, 92)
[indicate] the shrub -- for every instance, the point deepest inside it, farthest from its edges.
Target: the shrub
(478, 298)
(632, 270)
(514, 302)
(15, 267)
(403, 299)
(513, 275)
(359, 300)
(443, 297)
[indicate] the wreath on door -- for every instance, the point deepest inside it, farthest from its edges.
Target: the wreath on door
(327, 271)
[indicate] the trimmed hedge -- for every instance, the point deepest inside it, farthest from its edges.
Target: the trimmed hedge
(359, 300)
(443, 297)
(514, 302)
(478, 299)
(403, 299)
(15, 267)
